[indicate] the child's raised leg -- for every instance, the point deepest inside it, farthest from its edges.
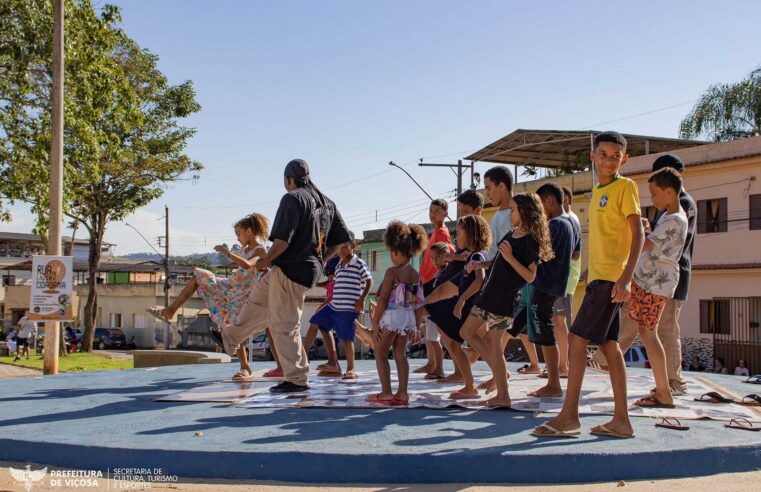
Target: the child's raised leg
(363, 334)
(657, 356)
(617, 368)
(402, 367)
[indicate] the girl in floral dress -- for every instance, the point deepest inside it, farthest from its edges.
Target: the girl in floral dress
(224, 296)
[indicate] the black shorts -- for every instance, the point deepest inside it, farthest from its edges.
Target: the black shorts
(598, 318)
(521, 318)
(542, 330)
(22, 342)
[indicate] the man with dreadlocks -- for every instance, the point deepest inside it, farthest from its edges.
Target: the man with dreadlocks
(306, 232)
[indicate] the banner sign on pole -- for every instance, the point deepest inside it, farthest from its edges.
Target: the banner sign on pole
(51, 288)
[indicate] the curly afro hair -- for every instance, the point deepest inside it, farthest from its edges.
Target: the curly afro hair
(407, 239)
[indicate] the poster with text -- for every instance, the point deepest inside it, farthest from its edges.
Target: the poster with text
(51, 288)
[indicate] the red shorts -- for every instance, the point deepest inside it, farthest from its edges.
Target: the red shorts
(646, 308)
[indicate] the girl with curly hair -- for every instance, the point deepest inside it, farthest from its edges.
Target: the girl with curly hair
(450, 311)
(394, 318)
(519, 253)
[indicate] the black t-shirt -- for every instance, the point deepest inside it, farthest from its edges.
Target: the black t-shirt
(502, 281)
(465, 279)
(685, 261)
(309, 229)
(552, 276)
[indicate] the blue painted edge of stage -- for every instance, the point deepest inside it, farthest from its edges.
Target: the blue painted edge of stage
(421, 468)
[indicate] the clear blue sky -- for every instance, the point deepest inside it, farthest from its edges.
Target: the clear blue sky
(349, 86)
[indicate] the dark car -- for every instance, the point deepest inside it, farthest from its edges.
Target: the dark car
(318, 350)
(112, 338)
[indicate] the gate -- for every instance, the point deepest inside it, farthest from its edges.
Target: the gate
(736, 326)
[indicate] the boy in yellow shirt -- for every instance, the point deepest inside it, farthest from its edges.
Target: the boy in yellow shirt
(615, 242)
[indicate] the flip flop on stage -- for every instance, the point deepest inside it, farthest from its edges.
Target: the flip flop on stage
(274, 373)
(652, 402)
(742, 424)
(750, 401)
(714, 397)
(602, 430)
(553, 432)
(671, 423)
(526, 369)
(243, 375)
(348, 375)
(754, 379)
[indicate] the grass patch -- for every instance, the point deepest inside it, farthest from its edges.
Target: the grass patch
(74, 362)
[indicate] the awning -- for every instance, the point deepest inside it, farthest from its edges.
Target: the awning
(558, 148)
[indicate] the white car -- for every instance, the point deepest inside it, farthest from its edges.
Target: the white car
(636, 356)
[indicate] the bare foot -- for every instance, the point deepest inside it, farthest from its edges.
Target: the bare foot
(380, 397)
(365, 336)
(471, 354)
(452, 378)
(488, 386)
(498, 402)
(546, 392)
(422, 369)
(402, 396)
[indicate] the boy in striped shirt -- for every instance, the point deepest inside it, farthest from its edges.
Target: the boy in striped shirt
(353, 282)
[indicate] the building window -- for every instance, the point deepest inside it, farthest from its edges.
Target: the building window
(116, 320)
(712, 215)
(372, 260)
(714, 316)
(755, 212)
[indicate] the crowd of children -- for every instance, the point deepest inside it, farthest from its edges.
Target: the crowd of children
(511, 277)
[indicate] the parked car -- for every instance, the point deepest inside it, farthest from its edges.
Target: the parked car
(260, 348)
(112, 338)
(636, 356)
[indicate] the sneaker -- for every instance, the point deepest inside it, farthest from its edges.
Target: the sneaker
(289, 387)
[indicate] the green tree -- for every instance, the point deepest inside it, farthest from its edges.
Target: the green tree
(727, 111)
(122, 136)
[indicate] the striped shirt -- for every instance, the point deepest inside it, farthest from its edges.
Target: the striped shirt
(350, 281)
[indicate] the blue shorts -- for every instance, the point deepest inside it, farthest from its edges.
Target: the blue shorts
(342, 322)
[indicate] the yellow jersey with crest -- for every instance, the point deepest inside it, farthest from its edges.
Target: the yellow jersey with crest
(610, 235)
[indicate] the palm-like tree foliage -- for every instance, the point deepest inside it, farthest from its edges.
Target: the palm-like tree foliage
(727, 111)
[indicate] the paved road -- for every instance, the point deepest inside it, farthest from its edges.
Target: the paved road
(9, 371)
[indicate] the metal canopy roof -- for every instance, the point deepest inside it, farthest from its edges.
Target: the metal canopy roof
(555, 148)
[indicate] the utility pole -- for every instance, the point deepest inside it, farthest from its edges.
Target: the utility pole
(392, 163)
(52, 335)
(460, 171)
(166, 272)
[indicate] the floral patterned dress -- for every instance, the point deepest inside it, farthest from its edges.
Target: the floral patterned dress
(225, 296)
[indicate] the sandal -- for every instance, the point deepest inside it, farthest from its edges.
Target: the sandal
(752, 401)
(671, 423)
(349, 375)
(327, 367)
(156, 313)
(433, 376)
(459, 395)
(742, 424)
(714, 397)
(754, 379)
(274, 373)
(243, 375)
(375, 399)
(652, 402)
(398, 402)
(602, 430)
(526, 370)
(553, 432)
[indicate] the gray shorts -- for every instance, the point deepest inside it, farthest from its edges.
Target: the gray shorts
(563, 306)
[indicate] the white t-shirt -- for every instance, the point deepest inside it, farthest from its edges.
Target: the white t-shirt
(26, 327)
(657, 270)
(500, 224)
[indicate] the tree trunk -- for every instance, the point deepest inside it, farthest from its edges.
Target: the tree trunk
(93, 262)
